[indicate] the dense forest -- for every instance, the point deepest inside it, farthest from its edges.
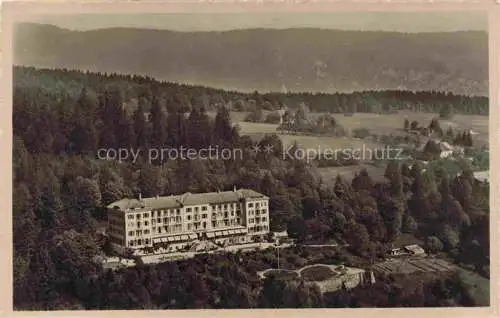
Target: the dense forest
(135, 90)
(61, 118)
(296, 59)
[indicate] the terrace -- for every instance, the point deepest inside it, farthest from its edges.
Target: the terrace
(413, 265)
(327, 277)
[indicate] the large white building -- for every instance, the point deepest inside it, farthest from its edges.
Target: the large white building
(175, 222)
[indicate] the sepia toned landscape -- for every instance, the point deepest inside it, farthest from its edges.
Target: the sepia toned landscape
(251, 167)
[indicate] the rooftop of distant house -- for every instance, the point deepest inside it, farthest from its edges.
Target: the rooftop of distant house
(482, 175)
(445, 146)
(186, 199)
(414, 248)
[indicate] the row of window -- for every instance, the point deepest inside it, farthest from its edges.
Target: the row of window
(138, 242)
(138, 232)
(157, 230)
(178, 219)
(171, 220)
(196, 209)
(257, 212)
(190, 227)
(258, 228)
(177, 227)
(225, 214)
(138, 224)
(154, 214)
(196, 226)
(169, 229)
(172, 212)
(263, 211)
(225, 206)
(197, 217)
(257, 204)
(167, 212)
(257, 220)
(226, 223)
(138, 216)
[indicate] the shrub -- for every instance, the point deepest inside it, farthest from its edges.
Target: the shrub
(255, 116)
(360, 133)
(273, 118)
(433, 244)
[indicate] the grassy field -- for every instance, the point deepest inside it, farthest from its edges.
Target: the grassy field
(388, 123)
(258, 130)
(379, 124)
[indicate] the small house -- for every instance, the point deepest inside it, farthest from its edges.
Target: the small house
(396, 252)
(446, 149)
(414, 249)
(282, 234)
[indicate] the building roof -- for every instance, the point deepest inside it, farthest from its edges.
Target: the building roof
(186, 199)
(482, 175)
(414, 248)
(281, 234)
(445, 146)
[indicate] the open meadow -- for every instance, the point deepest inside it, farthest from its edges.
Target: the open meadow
(379, 124)
(375, 123)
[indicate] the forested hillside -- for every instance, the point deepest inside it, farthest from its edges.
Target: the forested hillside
(61, 118)
(69, 84)
(312, 60)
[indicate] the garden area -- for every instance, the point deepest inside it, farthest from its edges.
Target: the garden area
(318, 273)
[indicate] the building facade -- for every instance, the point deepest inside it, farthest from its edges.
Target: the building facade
(175, 222)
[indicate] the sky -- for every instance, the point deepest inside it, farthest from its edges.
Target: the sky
(380, 21)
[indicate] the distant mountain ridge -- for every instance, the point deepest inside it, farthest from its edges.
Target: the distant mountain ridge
(306, 60)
